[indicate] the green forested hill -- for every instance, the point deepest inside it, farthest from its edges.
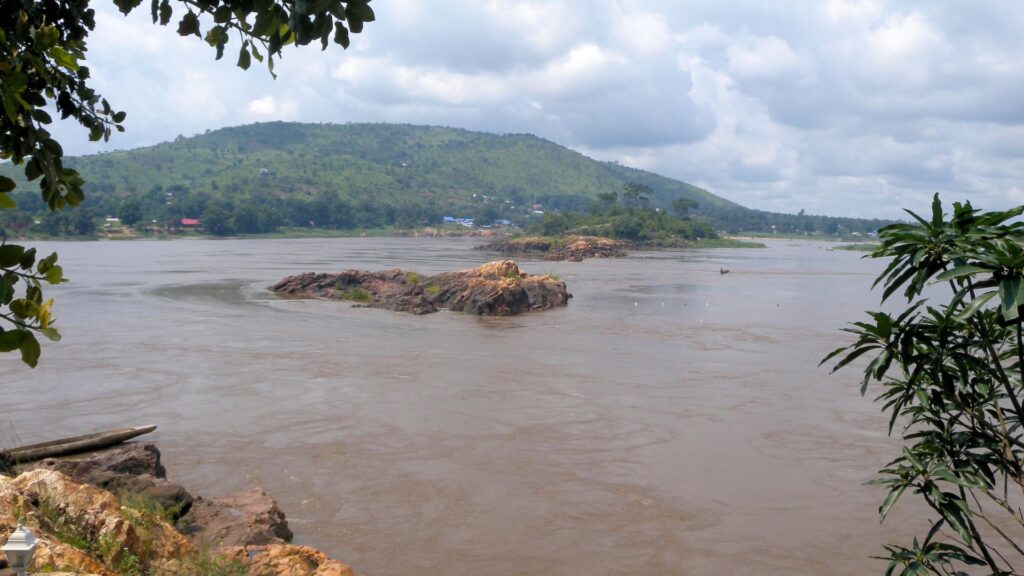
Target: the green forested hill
(258, 177)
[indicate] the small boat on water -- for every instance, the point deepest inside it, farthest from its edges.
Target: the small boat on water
(76, 444)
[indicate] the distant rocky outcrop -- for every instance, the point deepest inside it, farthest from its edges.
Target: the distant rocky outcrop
(90, 520)
(496, 289)
(570, 248)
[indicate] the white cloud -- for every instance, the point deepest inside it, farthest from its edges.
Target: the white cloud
(762, 58)
(270, 108)
(845, 106)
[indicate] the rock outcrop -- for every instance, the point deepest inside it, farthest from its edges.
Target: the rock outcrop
(571, 248)
(132, 468)
(82, 528)
(85, 529)
(496, 288)
(277, 559)
(245, 518)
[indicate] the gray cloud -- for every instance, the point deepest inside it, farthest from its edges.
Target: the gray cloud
(852, 107)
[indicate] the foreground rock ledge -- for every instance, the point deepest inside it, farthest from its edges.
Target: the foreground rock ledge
(86, 530)
(494, 289)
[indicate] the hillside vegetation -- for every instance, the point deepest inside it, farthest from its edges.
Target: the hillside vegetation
(260, 177)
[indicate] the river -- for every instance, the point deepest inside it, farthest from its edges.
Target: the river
(670, 420)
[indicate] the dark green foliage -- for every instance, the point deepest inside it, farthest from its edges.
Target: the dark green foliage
(367, 176)
(683, 206)
(131, 212)
(623, 223)
(950, 366)
(636, 195)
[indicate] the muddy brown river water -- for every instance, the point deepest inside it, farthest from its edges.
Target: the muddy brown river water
(671, 420)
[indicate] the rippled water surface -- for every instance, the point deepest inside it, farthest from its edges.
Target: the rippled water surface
(670, 420)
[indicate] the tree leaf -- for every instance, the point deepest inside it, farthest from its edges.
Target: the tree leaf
(890, 500)
(960, 271)
(6, 184)
(1009, 294)
(11, 340)
(975, 305)
(189, 24)
(30, 349)
(244, 59)
(63, 58)
(10, 255)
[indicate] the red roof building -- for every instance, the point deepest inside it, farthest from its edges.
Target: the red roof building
(189, 222)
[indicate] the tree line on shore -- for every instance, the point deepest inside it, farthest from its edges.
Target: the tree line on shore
(262, 177)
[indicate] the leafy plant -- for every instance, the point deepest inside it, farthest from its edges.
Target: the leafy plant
(356, 294)
(950, 369)
(432, 289)
(64, 527)
(412, 278)
(21, 300)
(206, 562)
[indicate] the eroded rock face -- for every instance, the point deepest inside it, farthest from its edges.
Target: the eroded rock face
(496, 288)
(278, 559)
(62, 511)
(571, 248)
(130, 468)
(242, 519)
(82, 529)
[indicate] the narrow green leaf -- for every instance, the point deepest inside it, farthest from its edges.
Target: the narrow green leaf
(960, 271)
(975, 305)
(1009, 295)
(890, 500)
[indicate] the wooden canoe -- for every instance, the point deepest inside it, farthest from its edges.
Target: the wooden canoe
(76, 444)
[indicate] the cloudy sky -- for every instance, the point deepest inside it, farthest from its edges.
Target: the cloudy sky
(840, 107)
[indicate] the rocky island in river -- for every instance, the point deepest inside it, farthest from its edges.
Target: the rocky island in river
(570, 248)
(495, 289)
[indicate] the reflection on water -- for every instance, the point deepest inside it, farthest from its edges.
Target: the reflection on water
(670, 420)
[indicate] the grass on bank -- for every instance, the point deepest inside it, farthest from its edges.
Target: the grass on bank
(727, 243)
(862, 247)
